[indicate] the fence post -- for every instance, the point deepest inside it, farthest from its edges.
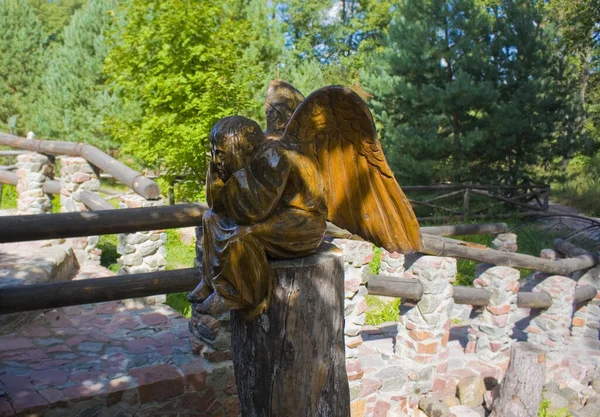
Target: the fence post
(33, 170)
(551, 328)
(357, 256)
(392, 264)
(491, 339)
(77, 175)
(424, 329)
(467, 203)
(506, 242)
(586, 319)
(142, 251)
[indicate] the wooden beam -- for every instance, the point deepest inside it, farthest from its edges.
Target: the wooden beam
(106, 222)
(422, 203)
(534, 300)
(8, 177)
(51, 187)
(506, 200)
(409, 289)
(439, 197)
(133, 179)
(478, 297)
(85, 291)
(584, 294)
(441, 246)
(471, 186)
(94, 202)
(466, 229)
(12, 153)
(571, 250)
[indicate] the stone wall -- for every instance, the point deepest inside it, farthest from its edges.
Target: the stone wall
(393, 366)
(142, 252)
(77, 175)
(402, 368)
(33, 170)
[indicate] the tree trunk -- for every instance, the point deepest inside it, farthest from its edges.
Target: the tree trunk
(290, 361)
(521, 391)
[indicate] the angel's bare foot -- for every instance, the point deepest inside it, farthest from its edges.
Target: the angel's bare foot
(215, 305)
(199, 294)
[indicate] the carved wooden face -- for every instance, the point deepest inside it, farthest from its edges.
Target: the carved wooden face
(229, 154)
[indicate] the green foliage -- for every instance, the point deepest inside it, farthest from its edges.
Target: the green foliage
(379, 311)
(108, 245)
(337, 35)
(464, 92)
(54, 16)
(20, 59)
(178, 302)
(174, 67)
(9, 197)
(75, 100)
(543, 410)
(375, 264)
(179, 256)
(581, 186)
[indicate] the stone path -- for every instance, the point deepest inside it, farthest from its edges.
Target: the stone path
(117, 358)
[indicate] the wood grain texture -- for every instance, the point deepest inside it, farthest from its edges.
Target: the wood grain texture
(134, 180)
(290, 360)
(521, 391)
(441, 246)
(106, 222)
(85, 291)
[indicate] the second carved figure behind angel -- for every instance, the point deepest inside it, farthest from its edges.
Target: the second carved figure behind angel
(270, 193)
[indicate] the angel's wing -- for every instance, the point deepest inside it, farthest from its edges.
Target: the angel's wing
(281, 101)
(336, 127)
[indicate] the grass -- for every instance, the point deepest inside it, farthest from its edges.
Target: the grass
(581, 187)
(9, 197)
(582, 194)
(543, 410)
(178, 256)
(379, 311)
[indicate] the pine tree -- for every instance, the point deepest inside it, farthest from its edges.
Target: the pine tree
(534, 120)
(470, 92)
(20, 59)
(54, 16)
(74, 98)
(433, 88)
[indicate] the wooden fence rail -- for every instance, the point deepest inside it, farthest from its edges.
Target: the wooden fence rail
(410, 289)
(132, 179)
(68, 293)
(85, 291)
(532, 197)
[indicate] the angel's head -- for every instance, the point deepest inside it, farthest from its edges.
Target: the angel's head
(232, 141)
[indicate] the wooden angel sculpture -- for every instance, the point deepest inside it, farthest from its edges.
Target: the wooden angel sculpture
(270, 193)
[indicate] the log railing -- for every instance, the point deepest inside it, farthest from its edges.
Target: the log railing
(529, 197)
(409, 289)
(132, 179)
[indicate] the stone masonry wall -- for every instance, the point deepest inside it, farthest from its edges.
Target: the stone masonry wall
(492, 331)
(142, 252)
(586, 319)
(424, 328)
(76, 175)
(33, 170)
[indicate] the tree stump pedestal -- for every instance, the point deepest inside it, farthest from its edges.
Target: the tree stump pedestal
(290, 360)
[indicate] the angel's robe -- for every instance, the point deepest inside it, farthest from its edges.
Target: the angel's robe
(272, 208)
